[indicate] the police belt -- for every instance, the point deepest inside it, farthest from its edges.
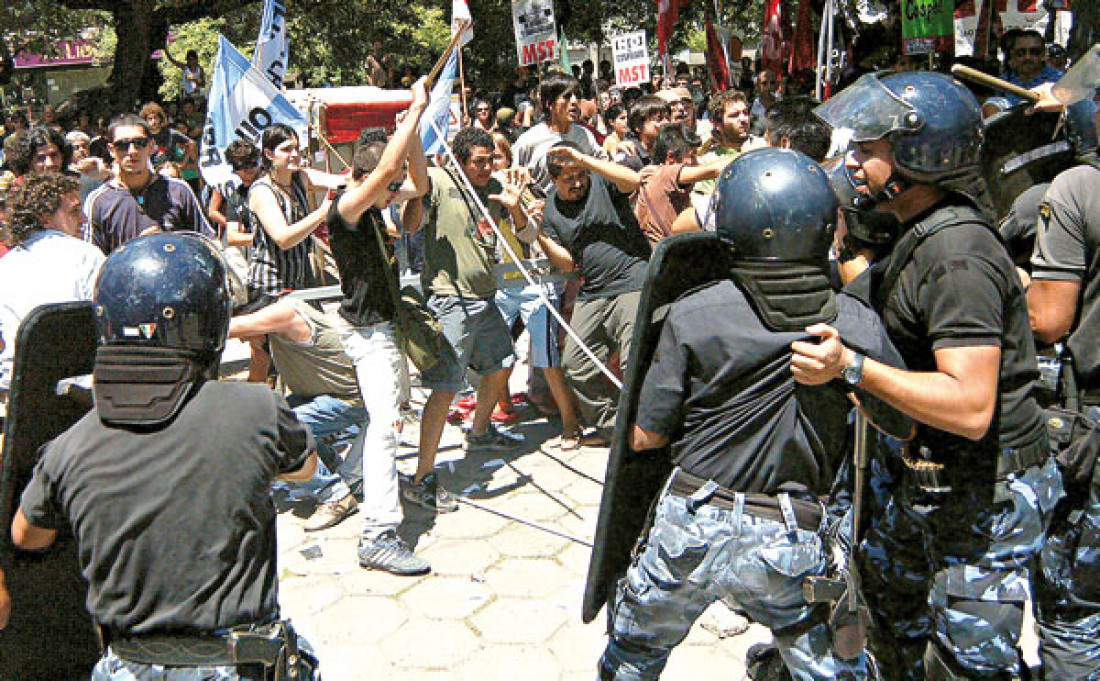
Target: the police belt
(936, 477)
(807, 514)
(260, 644)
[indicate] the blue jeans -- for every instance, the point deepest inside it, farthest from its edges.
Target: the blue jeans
(326, 416)
(113, 668)
(690, 560)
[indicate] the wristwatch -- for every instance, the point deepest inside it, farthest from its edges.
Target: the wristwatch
(853, 373)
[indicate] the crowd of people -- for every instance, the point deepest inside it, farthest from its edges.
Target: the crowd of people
(591, 177)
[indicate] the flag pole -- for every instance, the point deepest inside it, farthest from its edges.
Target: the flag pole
(462, 85)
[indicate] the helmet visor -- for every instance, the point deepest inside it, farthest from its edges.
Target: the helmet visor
(868, 110)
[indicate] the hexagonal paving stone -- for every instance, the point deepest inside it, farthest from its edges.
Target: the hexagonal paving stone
(470, 523)
(516, 620)
(507, 663)
(359, 619)
(583, 493)
(535, 505)
(304, 596)
(578, 646)
(364, 582)
(583, 527)
(524, 577)
(446, 598)
(349, 661)
(524, 541)
(431, 644)
(461, 557)
(575, 558)
(686, 661)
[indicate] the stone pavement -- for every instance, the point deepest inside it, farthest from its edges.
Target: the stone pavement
(503, 599)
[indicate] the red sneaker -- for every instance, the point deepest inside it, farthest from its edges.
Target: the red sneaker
(467, 403)
(501, 416)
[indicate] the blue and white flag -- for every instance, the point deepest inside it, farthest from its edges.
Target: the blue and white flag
(272, 46)
(242, 102)
(439, 107)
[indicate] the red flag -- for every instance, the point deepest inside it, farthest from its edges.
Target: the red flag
(803, 47)
(775, 45)
(668, 11)
(716, 60)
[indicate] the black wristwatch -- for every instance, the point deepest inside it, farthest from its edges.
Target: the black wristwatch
(853, 373)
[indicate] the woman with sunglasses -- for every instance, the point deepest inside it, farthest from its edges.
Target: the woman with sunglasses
(483, 115)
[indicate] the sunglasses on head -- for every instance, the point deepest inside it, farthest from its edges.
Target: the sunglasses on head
(1025, 51)
(139, 142)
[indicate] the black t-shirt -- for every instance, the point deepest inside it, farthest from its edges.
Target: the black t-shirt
(175, 527)
(961, 289)
(602, 234)
(727, 379)
(367, 296)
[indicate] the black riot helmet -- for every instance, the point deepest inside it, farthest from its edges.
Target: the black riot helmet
(165, 290)
(775, 205)
(933, 123)
(162, 308)
(776, 211)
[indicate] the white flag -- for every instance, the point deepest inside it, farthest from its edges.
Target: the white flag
(272, 45)
(460, 11)
(242, 102)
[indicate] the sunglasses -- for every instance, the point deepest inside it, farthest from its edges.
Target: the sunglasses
(1025, 51)
(394, 186)
(124, 145)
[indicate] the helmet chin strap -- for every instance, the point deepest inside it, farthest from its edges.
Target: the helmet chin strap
(895, 186)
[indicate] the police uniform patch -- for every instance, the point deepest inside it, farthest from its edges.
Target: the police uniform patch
(1044, 214)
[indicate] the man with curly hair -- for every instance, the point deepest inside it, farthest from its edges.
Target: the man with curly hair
(49, 261)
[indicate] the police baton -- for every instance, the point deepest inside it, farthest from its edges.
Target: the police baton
(977, 76)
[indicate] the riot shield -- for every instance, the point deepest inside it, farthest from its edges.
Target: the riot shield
(50, 635)
(634, 479)
(1021, 151)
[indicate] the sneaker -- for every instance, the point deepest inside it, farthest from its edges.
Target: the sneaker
(331, 514)
(467, 403)
(493, 440)
(391, 554)
(429, 494)
(501, 416)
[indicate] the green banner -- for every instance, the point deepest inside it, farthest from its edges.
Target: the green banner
(927, 26)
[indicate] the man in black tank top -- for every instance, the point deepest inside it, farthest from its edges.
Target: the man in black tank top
(357, 235)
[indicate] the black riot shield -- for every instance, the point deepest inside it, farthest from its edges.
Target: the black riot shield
(634, 479)
(1021, 151)
(50, 635)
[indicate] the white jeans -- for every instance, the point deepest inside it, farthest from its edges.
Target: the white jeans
(373, 351)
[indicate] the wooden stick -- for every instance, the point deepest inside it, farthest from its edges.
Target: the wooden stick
(446, 54)
(462, 88)
(993, 82)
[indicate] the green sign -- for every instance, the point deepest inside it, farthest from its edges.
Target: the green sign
(927, 26)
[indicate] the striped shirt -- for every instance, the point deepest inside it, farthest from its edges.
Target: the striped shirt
(117, 214)
(271, 269)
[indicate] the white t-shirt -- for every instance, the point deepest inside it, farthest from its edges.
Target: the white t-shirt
(49, 267)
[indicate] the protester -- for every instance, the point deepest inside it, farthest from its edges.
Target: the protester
(647, 116)
(49, 261)
(192, 76)
(666, 186)
(590, 197)
(618, 128)
(138, 201)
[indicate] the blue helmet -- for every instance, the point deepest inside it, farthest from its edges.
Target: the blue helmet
(775, 205)
(866, 224)
(933, 123)
(167, 290)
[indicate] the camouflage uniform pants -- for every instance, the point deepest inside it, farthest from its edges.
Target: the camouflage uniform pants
(1067, 590)
(113, 668)
(952, 570)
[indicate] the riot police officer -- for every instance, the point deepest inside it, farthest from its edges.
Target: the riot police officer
(740, 519)
(1064, 304)
(946, 565)
(165, 483)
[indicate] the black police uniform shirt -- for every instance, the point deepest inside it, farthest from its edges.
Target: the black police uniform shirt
(117, 214)
(960, 289)
(367, 295)
(1067, 248)
(602, 234)
(720, 387)
(175, 526)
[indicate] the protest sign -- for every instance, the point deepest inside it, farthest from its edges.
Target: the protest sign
(536, 31)
(631, 55)
(927, 26)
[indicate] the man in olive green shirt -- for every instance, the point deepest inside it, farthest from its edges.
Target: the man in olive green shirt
(460, 250)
